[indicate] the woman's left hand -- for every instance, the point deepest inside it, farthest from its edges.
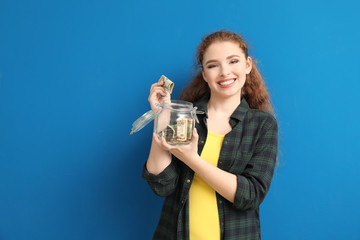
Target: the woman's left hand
(183, 152)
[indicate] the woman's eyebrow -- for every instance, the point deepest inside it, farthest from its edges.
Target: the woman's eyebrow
(231, 56)
(210, 61)
(213, 60)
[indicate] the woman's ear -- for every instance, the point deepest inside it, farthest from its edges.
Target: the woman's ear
(249, 64)
(203, 74)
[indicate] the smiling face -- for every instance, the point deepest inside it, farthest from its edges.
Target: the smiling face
(224, 69)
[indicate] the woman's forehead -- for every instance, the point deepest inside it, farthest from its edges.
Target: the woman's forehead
(223, 49)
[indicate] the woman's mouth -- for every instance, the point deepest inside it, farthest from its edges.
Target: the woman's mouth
(226, 82)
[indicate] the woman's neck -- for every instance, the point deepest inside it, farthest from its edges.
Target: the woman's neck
(223, 105)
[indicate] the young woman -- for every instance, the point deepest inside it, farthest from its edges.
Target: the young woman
(215, 185)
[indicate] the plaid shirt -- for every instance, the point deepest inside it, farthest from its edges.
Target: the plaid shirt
(249, 151)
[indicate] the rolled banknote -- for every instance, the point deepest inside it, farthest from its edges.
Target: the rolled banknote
(168, 84)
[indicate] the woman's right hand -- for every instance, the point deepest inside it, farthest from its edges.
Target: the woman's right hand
(158, 159)
(158, 94)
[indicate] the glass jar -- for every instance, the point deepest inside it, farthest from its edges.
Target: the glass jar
(174, 121)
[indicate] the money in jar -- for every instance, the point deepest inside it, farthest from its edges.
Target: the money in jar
(175, 122)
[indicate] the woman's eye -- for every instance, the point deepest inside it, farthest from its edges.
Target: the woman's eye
(212, 66)
(234, 61)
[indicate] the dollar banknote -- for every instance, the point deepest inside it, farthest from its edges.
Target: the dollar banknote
(168, 84)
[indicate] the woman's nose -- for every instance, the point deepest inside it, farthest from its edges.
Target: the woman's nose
(225, 70)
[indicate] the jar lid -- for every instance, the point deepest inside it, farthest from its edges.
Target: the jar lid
(142, 121)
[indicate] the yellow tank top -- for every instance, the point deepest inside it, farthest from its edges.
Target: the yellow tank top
(203, 211)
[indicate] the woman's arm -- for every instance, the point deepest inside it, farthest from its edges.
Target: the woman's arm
(221, 181)
(159, 170)
(158, 158)
(254, 182)
(246, 190)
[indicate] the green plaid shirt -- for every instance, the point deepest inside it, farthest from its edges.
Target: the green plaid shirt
(249, 151)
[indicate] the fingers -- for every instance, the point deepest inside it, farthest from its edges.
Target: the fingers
(195, 134)
(162, 143)
(157, 90)
(165, 145)
(156, 138)
(157, 94)
(168, 147)
(157, 85)
(195, 137)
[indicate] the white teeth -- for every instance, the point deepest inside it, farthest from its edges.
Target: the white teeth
(226, 82)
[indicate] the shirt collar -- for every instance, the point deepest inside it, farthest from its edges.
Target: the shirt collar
(238, 114)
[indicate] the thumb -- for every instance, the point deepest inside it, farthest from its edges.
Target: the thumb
(195, 135)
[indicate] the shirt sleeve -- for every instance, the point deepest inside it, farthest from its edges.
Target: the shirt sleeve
(165, 182)
(254, 182)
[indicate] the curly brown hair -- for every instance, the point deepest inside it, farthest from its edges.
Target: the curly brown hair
(254, 91)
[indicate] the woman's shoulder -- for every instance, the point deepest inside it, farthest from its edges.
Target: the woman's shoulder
(254, 116)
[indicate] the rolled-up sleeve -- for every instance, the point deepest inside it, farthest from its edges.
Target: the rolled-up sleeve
(165, 182)
(254, 182)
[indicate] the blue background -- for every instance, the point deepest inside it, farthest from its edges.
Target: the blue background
(74, 75)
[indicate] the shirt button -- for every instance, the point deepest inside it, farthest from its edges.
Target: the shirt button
(179, 221)
(188, 181)
(225, 142)
(182, 201)
(220, 162)
(220, 201)
(222, 223)
(202, 141)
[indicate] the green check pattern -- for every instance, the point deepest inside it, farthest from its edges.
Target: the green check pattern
(249, 151)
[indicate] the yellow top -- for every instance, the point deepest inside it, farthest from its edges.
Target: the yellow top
(203, 211)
